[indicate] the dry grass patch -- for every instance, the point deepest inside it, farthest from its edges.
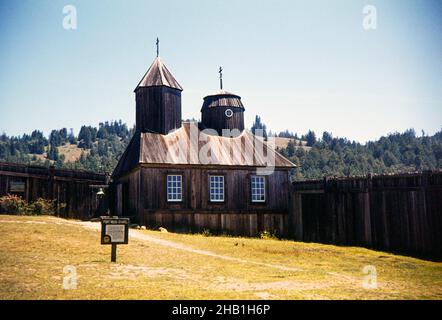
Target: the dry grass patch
(71, 152)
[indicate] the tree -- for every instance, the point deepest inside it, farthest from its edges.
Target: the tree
(87, 136)
(327, 137)
(291, 148)
(53, 153)
(59, 163)
(71, 137)
(259, 128)
(311, 138)
(389, 158)
(64, 135)
(287, 134)
(55, 138)
(102, 133)
(37, 142)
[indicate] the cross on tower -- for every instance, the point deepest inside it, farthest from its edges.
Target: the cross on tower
(158, 47)
(221, 77)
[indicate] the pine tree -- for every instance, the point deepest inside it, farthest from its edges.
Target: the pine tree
(53, 153)
(71, 137)
(311, 138)
(258, 128)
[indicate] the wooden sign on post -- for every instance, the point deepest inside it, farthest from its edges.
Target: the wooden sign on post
(114, 230)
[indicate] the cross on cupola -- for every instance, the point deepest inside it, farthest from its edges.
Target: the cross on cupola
(158, 47)
(221, 77)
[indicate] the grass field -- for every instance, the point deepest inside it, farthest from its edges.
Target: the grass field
(35, 251)
(71, 152)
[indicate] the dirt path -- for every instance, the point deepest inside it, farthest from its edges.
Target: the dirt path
(139, 235)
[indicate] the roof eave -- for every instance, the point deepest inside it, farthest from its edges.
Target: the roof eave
(160, 85)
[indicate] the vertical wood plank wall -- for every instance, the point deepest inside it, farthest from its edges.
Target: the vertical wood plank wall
(146, 199)
(215, 118)
(69, 188)
(400, 213)
(158, 109)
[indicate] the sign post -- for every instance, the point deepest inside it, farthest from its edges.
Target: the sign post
(114, 253)
(114, 230)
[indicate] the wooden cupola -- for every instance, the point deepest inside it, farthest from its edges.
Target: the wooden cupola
(158, 100)
(222, 110)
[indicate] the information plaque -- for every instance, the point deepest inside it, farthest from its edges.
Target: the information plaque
(114, 230)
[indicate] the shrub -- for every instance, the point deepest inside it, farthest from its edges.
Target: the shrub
(267, 235)
(206, 233)
(41, 207)
(12, 204)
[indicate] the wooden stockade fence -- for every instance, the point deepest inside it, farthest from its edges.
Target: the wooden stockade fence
(73, 191)
(398, 213)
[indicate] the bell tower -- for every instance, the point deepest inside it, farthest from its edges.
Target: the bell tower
(158, 99)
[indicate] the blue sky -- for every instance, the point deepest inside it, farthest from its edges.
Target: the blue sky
(299, 64)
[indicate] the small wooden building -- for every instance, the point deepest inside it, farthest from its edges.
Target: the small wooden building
(74, 192)
(185, 177)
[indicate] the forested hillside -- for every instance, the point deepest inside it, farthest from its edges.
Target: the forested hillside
(99, 148)
(339, 157)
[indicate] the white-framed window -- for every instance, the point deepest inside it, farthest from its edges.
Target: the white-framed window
(258, 189)
(174, 187)
(216, 186)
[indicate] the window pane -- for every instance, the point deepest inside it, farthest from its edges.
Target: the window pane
(258, 189)
(216, 188)
(174, 189)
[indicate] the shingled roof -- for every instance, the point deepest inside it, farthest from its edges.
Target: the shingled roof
(176, 149)
(158, 75)
(222, 99)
